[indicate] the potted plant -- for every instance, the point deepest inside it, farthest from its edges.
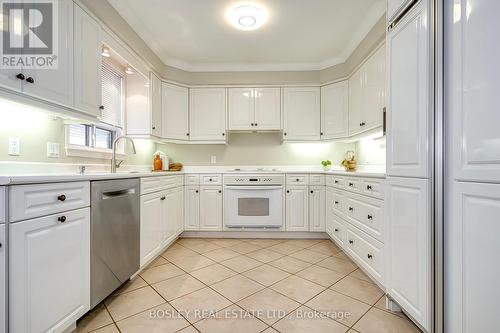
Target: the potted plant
(327, 164)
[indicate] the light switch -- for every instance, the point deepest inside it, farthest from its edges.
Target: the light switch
(213, 159)
(14, 146)
(52, 149)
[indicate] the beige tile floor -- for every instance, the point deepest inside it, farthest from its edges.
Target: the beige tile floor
(247, 285)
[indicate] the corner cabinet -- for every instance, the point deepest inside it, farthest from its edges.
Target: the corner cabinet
(207, 121)
(50, 265)
(87, 56)
(175, 112)
(301, 114)
(334, 111)
(155, 104)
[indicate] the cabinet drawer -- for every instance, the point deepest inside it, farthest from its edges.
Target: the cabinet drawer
(151, 184)
(2, 204)
(191, 180)
(338, 231)
(352, 184)
(211, 179)
(297, 179)
(171, 182)
(372, 187)
(336, 181)
(336, 202)
(28, 201)
(367, 252)
(316, 179)
(366, 214)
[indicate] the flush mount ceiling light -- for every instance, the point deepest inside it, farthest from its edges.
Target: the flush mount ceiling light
(105, 51)
(247, 17)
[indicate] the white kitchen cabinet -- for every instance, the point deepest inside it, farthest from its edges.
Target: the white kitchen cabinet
(87, 65)
(408, 244)
(395, 7)
(3, 279)
(301, 114)
(56, 85)
(175, 112)
(3, 210)
(409, 105)
(267, 109)
(49, 272)
(155, 104)
(192, 208)
(138, 105)
(241, 108)
(473, 78)
(153, 225)
(211, 208)
(207, 120)
(317, 208)
(172, 214)
(297, 208)
(179, 210)
(334, 111)
(471, 258)
(355, 101)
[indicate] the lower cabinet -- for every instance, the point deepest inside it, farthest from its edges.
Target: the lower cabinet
(152, 225)
(210, 208)
(174, 213)
(297, 208)
(317, 208)
(192, 208)
(3, 280)
(49, 271)
(408, 221)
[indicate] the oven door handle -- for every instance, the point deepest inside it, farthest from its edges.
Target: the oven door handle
(262, 187)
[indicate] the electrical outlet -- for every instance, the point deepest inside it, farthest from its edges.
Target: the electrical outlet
(52, 149)
(213, 159)
(14, 146)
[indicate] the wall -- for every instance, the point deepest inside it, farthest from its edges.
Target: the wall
(370, 150)
(257, 149)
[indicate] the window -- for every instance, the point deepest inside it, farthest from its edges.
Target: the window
(99, 137)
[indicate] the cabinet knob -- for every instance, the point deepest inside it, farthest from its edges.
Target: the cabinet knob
(154, 127)
(351, 241)
(223, 134)
(196, 191)
(30, 80)
(312, 191)
(20, 76)
(162, 198)
(251, 124)
(284, 134)
(187, 134)
(62, 197)
(220, 191)
(210, 179)
(287, 191)
(297, 179)
(362, 124)
(368, 187)
(336, 230)
(321, 133)
(336, 182)
(62, 219)
(101, 107)
(369, 256)
(351, 209)
(351, 184)
(336, 202)
(370, 217)
(256, 124)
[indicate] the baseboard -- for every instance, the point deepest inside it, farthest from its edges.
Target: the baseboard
(254, 234)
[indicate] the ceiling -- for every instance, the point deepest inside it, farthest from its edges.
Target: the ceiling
(194, 35)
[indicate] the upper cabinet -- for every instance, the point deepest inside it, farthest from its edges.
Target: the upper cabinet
(156, 99)
(207, 121)
(334, 111)
(409, 107)
(301, 113)
(254, 109)
(367, 94)
(396, 7)
(87, 65)
(175, 112)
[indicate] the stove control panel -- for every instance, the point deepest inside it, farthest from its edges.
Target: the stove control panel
(254, 179)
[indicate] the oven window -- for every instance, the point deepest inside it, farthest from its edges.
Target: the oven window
(253, 206)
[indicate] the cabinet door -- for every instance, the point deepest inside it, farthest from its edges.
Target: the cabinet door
(241, 108)
(374, 91)
(49, 272)
(211, 206)
(175, 110)
(155, 97)
(179, 210)
(408, 220)
(207, 120)
(9, 80)
(296, 208)
(268, 109)
(408, 108)
(3, 279)
(355, 101)
(302, 113)
(169, 216)
(192, 208)
(87, 50)
(334, 110)
(473, 78)
(152, 225)
(471, 253)
(317, 208)
(56, 85)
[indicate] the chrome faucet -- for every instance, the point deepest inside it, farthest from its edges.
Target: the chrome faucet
(115, 165)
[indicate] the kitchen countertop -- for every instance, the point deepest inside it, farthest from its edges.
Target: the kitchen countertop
(71, 177)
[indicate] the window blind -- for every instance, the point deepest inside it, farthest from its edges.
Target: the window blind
(112, 96)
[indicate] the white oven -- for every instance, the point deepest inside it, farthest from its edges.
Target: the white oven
(253, 201)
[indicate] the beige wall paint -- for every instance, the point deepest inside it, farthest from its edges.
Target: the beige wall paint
(257, 149)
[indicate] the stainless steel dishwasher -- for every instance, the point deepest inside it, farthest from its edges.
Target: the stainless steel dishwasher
(115, 231)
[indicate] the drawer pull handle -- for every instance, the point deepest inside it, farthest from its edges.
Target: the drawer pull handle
(220, 191)
(336, 182)
(297, 180)
(20, 76)
(162, 198)
(62, 197)
(351, 184)
(30, 80)
(368, 187)
(62, 219)
(312, 191)
(210, 180)
(351, 241)
(287, 191)
(196, 191)
(369, 256)
(351, 209)
(336, 230)
(336, 202)
(370, 217)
